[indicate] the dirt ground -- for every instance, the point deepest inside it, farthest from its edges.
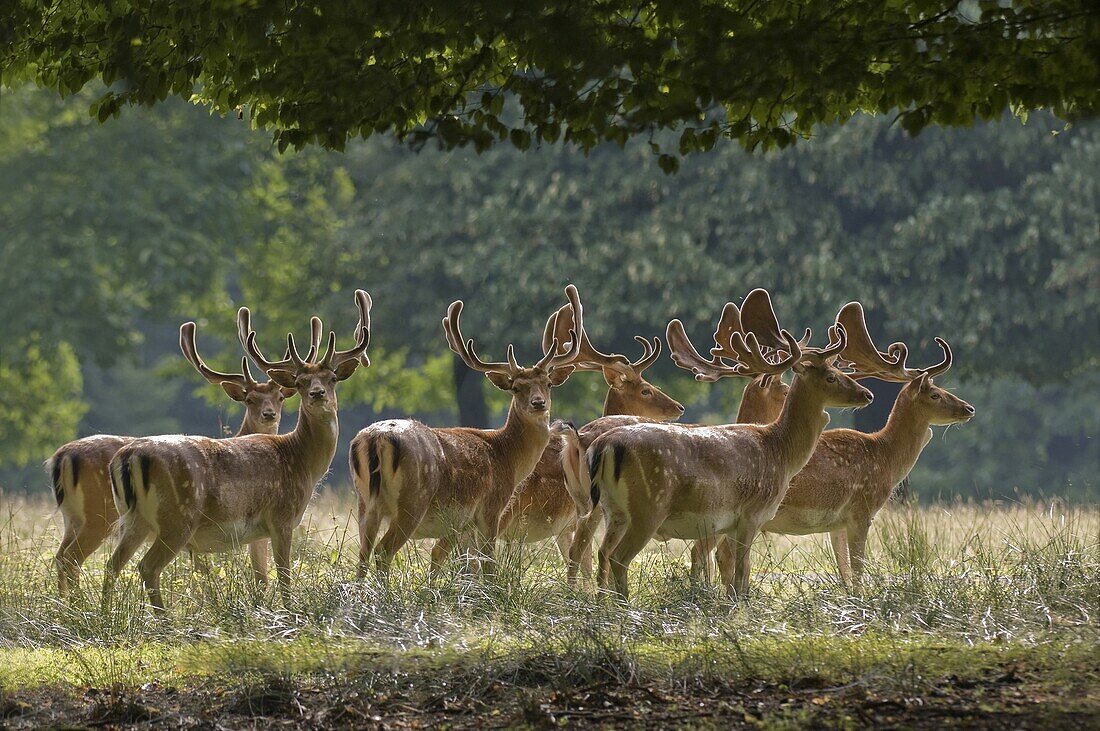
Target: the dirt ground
(1007, 699)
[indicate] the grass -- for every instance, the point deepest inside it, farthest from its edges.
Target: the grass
(986, 612)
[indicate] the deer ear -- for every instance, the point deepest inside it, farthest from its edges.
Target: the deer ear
(287, 392)
(286, 379)
(800, 367)
(614, 378)
(235, 391)
(501, 380)
(559, 374)
(345, 369)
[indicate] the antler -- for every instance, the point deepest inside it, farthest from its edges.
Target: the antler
(685, 356)
(465, 348)
(191, 353)
(561, 325)
(838, 339)
(758, 317)
(862, 354)
(333, 358)
(552, 358)
(752, 362)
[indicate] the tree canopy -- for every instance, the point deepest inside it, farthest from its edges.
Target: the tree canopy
(491, 71)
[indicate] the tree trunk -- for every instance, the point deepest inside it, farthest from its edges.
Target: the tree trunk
(469, 396)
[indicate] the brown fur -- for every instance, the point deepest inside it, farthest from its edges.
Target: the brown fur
(850, 475)
(450, 481)
(86, 504)
(692, 482)
(761, 403)
(546, 504)
(215, 494)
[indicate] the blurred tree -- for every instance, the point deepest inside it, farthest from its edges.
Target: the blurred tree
(987, 236)
(40, 397)
(493, 71)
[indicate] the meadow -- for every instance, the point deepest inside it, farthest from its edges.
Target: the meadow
(973, 611)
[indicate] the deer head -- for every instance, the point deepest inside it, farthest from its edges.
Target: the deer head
(628, 392)
(938, 405)
(529, 386)
(815, 366)
(314, 380)
(263, 402)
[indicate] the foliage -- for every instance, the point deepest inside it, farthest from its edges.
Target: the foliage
(41, 398)
(988, 237)
(496, 71)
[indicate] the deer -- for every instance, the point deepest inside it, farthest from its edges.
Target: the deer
(453, 483)
(695, 482)
(851, 474)
(546, 504)
(212, 495)
(761, 401)
(82, 483)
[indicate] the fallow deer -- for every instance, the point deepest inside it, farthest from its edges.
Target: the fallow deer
(82, 483)
(694, 482)
(446, 483)
(851, 474)
(546, 505)
(761, 401)
(211, 495)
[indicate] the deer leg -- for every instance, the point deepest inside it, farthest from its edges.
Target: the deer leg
(741, 539)
(857, 546)
(580, 553)
(132, 533)
(370, 520)
(702, 563)
(726, 560)
(257, 554)
(564, 542)
(839, 540)
(397, 535)
(200, 564)
(441, 551)
(165, 547)
(630, 545)
(280, 547)
(487, 545)
(616, 529)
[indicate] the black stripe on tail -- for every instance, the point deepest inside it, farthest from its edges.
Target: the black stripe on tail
(374, 467)
(143, 473)
(374, 461)
(126, 482)
(353, 457)
(617, 452)
(58, 488)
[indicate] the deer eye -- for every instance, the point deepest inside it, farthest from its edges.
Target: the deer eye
(647, 392)
(935, 397)
(831, 379)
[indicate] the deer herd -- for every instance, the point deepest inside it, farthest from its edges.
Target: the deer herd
(634, 472)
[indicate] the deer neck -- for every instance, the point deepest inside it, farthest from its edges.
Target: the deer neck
(613, 406)
(800, 423)
(251, 426)
(901, 441)
(312, 443)
(520, 442)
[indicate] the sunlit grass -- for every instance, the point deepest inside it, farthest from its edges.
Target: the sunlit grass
(949, 586)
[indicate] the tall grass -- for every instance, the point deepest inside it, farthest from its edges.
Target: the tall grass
(969, 573)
